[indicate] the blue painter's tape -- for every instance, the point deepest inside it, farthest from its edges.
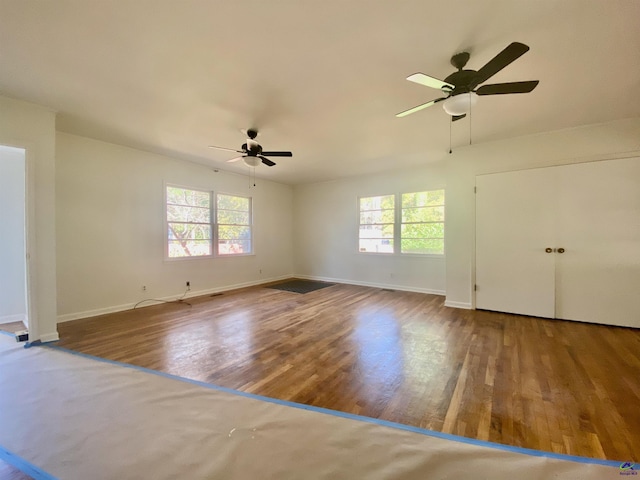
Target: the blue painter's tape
(24, 466)
(8, 334)
(351, 416)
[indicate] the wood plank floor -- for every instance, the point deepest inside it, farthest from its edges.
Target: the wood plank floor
(551, 385)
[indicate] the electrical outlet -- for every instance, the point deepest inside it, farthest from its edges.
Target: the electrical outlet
(144, 288)
(188, 285)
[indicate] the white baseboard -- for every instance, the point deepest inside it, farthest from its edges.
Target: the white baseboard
(464, 305)
(128, 306)
(371, 284)
(17, 317)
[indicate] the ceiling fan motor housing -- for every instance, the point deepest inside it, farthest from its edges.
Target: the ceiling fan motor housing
(252, 148)
(461, 80)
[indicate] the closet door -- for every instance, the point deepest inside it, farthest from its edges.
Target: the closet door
(515, 224)
(598, 225)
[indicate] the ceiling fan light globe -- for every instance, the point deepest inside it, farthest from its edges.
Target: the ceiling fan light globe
(460, 104)
(251, 161)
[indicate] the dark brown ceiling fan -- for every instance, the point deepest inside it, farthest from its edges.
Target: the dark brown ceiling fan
(252, 152)
(461, 87)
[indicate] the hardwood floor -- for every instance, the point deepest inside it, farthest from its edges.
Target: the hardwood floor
(549, 385)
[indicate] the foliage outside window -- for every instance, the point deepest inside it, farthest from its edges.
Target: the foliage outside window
(191, 230)
(408, 223)
(422, 229)
(233, 220)
(188, 222)
(377, 224)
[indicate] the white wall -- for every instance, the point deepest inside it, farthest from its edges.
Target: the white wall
(110, 229)
(13, 293)
(589, 143)
(32, 127)
(326, 233)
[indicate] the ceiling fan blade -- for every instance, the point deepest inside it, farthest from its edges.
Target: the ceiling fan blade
(266, 161)
(428, 81)
(419, 107)
(236, 159)
(504, 88)
(497, 63)
(278, 154)
(458, 117)
(225, 148)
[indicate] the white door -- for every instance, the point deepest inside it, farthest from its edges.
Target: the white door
(598, 275)
(514, 225)
(589, 215)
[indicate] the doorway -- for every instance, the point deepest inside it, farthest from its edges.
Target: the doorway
(14, 304)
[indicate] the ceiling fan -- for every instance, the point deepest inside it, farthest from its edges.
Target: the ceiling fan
(460, 86)
(252, 153)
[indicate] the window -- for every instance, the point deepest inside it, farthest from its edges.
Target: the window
(422, 217)
(377, 224)
(407, 223)
(195, 224)
(233, 219)
(188, 222)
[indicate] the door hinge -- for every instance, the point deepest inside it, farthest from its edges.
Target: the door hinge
(475, 189)
(475, 287)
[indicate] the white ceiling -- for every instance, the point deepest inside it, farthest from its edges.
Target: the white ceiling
(321, 78)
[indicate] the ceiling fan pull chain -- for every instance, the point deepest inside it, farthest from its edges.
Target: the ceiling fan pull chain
(470, 120)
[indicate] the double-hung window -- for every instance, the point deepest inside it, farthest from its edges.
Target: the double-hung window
(195, 223)
(233, 223)
(422, 222)
(377, 229)
(406, 223)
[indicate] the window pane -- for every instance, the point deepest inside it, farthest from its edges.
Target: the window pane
(230, 202)
(376, 231)
(233, 232)
(376, 216)
(232, 217)
(181, 231)
(188, 214)
(231, 247)
(422, 199)
(423, 230)
(376, 245)
(423, 245)
(189, 248)
(181, 196)
(376, 203)
(423, 214)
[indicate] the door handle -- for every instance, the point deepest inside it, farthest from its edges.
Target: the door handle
(561, 250)
(548, 249)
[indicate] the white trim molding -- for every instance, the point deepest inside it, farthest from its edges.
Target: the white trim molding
(464, 305)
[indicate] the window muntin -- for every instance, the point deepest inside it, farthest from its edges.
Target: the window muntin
(233, 223)
(376, 226)
(188, 222)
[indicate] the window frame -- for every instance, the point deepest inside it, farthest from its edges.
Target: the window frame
(397, 225)
(213, 216)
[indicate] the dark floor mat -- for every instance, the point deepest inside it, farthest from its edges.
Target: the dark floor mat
(300, 286)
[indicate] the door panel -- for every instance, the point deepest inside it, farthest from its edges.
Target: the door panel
(598, 223)
(514, 225)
